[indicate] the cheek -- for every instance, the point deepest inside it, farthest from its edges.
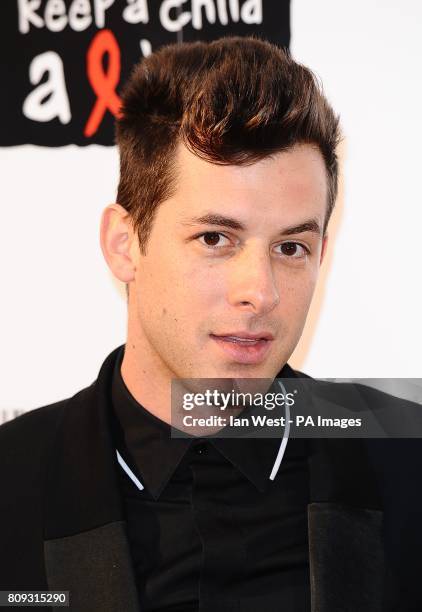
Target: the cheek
(201, 282)
(177, 289)
(298, 294)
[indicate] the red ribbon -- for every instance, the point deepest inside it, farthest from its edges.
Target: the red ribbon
(103, 82)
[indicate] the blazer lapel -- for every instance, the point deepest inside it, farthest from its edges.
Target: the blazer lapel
(346, 558)
(345, 529)
(86, 549)
(95, 567)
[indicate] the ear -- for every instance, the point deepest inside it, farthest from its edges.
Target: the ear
(116, 238)
(323, 249)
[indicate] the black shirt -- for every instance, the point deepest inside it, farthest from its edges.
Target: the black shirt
(210, 531)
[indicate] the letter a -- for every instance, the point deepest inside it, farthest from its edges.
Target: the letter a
(53, 91)
(251, 11)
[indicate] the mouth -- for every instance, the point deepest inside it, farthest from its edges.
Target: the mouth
(244, 348)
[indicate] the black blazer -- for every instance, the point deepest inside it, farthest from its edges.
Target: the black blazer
(62, 523)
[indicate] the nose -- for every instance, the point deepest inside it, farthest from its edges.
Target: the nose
(251, 285)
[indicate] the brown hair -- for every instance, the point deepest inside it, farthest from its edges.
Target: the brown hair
(231, 101)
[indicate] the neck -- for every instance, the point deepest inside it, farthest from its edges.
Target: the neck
(144, 375)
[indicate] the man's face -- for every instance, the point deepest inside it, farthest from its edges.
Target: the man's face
(234, 254)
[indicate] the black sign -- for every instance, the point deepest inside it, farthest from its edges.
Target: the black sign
(63, 61)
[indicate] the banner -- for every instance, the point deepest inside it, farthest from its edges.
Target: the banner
(63, 62)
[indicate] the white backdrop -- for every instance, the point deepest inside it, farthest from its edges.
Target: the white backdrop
(61, 310)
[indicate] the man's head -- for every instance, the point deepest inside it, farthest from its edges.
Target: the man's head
(228, 179)
(232, 101)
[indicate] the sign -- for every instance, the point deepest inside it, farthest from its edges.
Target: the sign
(63, 62)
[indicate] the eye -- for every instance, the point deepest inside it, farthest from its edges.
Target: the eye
(294, 250)
(212, 240)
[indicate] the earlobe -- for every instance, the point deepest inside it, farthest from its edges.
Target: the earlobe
(116, 235)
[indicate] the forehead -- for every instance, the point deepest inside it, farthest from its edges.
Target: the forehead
(292, 183)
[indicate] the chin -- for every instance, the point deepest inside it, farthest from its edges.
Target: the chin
(239, 370)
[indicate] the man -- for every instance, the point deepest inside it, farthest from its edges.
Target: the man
(228, 180)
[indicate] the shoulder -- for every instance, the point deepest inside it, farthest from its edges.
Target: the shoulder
(24, 446)
(32, 426)
(365, 394)
(391, 432)
(25, 441)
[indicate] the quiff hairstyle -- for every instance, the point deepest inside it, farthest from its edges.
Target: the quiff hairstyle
(235, 100)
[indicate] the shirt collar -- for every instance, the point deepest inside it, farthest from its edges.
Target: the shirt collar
(146, 442)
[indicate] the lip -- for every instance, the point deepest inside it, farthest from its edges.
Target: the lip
(244, 353)
(244, 334)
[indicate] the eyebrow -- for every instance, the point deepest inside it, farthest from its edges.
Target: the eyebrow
(310, 225)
